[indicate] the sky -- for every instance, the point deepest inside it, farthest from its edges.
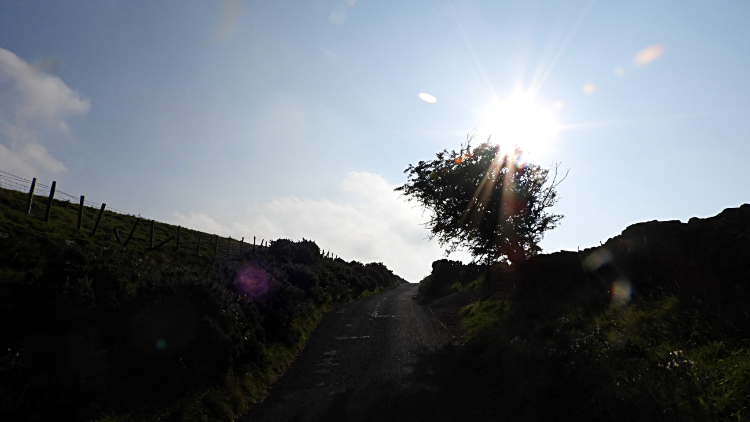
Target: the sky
(296, 119)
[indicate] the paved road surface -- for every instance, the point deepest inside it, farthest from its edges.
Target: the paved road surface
(382, 358)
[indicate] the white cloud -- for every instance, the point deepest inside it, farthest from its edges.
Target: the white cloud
(24, 160)
(34, 108)
(376, 225)
(202, 222)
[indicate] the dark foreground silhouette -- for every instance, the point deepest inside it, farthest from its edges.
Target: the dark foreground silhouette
(383, 358)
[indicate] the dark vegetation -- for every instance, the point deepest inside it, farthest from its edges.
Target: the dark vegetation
(651, 326)
(450, 277)
(90, 330)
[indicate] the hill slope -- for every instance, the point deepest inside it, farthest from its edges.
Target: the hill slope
(90, 329)
(652, 325)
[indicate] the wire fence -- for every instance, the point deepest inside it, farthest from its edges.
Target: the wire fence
(20, 184)
(17, 183)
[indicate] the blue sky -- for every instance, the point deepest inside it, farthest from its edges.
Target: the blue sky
(297, 118)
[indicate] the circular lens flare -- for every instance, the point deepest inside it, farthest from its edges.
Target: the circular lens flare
(520, 121)
(621, 292)
(252, 282)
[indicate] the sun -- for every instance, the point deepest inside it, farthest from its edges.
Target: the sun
(519, 120)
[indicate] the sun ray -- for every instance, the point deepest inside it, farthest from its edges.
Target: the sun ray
(536, 86)
(474, 57)
(478, 204)
(662, 118)
(476, 208)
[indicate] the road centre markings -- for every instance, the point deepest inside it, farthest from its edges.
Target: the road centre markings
(328, 362)
(375, 313)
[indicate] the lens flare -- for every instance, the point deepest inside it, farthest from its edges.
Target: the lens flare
(520, 161)
(621, 292)
(596, 259)
(228, 23)
(427, 97)
(648, 55)
(338, 17)
(616, 340)
(253, 283)
(589, 88)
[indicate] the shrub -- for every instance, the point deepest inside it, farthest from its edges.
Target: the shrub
(88, 328)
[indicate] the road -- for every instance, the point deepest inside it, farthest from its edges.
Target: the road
(382, 358)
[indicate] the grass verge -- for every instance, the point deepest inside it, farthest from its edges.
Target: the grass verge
(654, 359)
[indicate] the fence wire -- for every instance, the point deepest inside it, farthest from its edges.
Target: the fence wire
(17, 183)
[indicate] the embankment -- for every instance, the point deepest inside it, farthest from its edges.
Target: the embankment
(652, 325)
(92, 330)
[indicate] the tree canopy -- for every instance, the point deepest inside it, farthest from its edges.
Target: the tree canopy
(492, 204)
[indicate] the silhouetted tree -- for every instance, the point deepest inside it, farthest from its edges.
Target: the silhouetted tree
(490, 203)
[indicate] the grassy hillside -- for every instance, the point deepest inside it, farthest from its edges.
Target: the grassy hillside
(653, 325)
(91, 330)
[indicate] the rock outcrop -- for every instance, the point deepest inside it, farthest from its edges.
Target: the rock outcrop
(706, 260)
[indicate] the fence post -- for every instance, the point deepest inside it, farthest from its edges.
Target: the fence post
(49, 203)
(216, 246)
(253, 243)
(229, 243)
(130, 235)
(178, 238)
(242, 242)
(80, 212)
(31, 197)
(98, 219)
